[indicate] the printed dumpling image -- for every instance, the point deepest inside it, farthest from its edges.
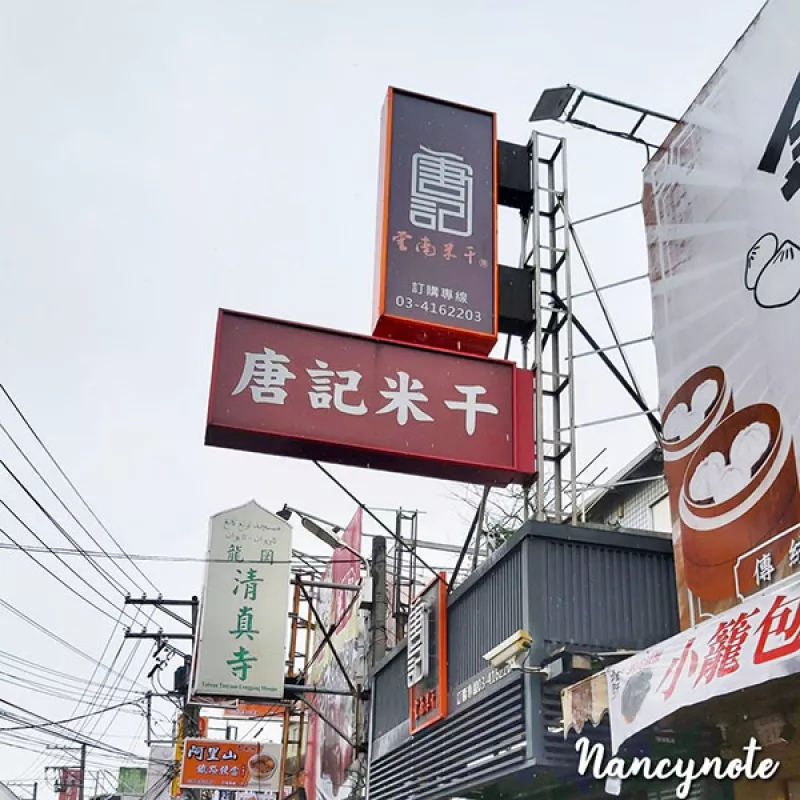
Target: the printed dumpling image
(634, 694)
(684, 420)
(761, 253)
(718, 478)
(778, 284)
(750, 445)
(705, 480)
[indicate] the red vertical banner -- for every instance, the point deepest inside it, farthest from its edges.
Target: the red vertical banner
(71, 780)
(329, 757)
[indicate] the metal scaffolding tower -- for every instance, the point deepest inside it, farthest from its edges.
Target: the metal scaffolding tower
(546, 235)
(295, 716)
(403, 570)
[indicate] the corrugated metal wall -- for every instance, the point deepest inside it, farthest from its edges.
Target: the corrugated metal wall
(390, 695)
(481, 617)
(484, 742)
(601, 597)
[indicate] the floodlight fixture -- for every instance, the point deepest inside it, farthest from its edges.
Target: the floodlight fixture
(310, 523)
(552, 104)
(561, 104)
(287, 511)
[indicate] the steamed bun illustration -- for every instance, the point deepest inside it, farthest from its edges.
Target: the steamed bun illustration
(779, 282)
(705, 480)
(717, 478)
(750, 445)
(677, 422)
(704, 396)
(761, 253)
(684, 419)
(732, 480)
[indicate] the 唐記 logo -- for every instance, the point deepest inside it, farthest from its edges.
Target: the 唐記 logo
(786, 131)
(441, 192)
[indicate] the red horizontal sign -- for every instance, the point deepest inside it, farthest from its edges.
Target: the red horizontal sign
(289, 389)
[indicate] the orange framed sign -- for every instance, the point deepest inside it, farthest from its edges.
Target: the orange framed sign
(427, 656)
(437, 225)
(232, 765)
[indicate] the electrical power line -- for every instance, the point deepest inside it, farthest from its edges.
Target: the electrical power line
(64, 733)
(40, 668)
(115, 585)
(71, 484)
(50, 572)
(63, 504)
(59, 723)
(43, 629)
(79, 550)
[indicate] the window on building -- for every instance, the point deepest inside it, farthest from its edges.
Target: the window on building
(660, 518)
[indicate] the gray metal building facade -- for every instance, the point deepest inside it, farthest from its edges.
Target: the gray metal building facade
(579, 589)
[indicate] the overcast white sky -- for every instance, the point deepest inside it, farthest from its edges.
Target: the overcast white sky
(160, 160)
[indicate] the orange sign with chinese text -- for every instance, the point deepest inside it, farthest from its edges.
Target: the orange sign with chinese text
(253, 766)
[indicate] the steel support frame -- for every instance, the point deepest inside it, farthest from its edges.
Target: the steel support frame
(546, 241)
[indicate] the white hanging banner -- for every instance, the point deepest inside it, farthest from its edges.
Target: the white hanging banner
(755, 642)
(241, 650)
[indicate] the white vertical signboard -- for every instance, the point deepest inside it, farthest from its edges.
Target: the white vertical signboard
(241, 649)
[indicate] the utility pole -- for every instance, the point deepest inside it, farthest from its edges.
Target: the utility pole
(189, 724)
(377, 618)
(82, 750)
(82, 784)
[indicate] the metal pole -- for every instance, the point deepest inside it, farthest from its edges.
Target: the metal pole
(479, 528)
(555, 347)
(537, 336)
(602, 302)
(378, 617)
(573, 453)
(83, 773)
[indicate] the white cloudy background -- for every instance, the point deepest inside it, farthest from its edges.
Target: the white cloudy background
(159, 160)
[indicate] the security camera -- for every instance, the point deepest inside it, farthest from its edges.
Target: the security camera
(511, 652)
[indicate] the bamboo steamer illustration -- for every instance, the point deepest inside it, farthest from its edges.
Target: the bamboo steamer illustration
(740, 489)
(696, 408)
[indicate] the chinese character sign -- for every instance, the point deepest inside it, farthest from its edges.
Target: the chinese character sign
(300, 391)
(437, 275)
(726, 295)
(244, 617)
(418, 647)
(426, 656)
(238, 766)
(754, 642)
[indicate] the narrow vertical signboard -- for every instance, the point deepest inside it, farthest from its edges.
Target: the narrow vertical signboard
(427, 656)
(242, 644)
(436, 262)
